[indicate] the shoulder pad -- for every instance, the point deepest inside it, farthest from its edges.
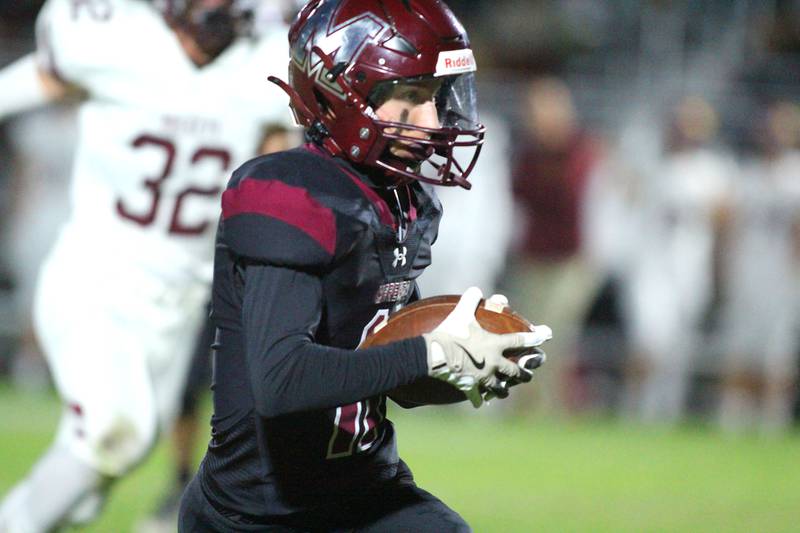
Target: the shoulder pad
(272, 213)
(75, 36)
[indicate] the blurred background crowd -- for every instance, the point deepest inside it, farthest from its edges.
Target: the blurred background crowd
(639, 192)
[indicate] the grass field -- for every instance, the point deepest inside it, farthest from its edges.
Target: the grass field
(523, 474)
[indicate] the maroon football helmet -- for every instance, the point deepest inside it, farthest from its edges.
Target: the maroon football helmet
(213, 24)
(346, 55)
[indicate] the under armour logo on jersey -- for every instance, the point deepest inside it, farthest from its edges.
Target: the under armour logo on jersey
(399, 257)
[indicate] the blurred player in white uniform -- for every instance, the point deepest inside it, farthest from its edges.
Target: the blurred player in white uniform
(176, 98)
(672, 278)
(762, 311)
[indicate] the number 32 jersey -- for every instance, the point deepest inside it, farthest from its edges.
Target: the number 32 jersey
(158, 135)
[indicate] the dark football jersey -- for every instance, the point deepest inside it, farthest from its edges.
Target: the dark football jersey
(310, 255)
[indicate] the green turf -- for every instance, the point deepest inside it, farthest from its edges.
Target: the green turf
(522, 474)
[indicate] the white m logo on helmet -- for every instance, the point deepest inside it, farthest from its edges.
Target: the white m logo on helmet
(358, 32)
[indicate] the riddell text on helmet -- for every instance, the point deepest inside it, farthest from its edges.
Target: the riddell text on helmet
(458, 62)
(455, 62)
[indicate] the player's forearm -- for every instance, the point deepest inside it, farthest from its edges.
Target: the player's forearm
(23, 86)
(313, 376)
(289, 371)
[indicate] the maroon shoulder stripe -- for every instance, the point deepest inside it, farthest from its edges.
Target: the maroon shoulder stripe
(292, 205)
(381, 206)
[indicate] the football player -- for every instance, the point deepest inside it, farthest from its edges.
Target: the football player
(315, 247)
(176, 98)
(190, 419)
(683, 211)
(761, 315)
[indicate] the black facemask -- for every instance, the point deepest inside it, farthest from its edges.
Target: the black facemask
(213, 30)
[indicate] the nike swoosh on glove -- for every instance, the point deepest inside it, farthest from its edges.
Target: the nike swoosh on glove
(470, 358)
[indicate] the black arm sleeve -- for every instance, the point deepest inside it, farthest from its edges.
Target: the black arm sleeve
(288, 371)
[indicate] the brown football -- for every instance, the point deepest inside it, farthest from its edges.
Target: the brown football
(422, 317)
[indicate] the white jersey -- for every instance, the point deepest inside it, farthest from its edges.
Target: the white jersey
(679, 223)
(122, 294)
(767, 211)
(671, 276)
(763, 293)
(158, 136)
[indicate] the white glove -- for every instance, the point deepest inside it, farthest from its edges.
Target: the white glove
(527, 363)
(468, 357)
